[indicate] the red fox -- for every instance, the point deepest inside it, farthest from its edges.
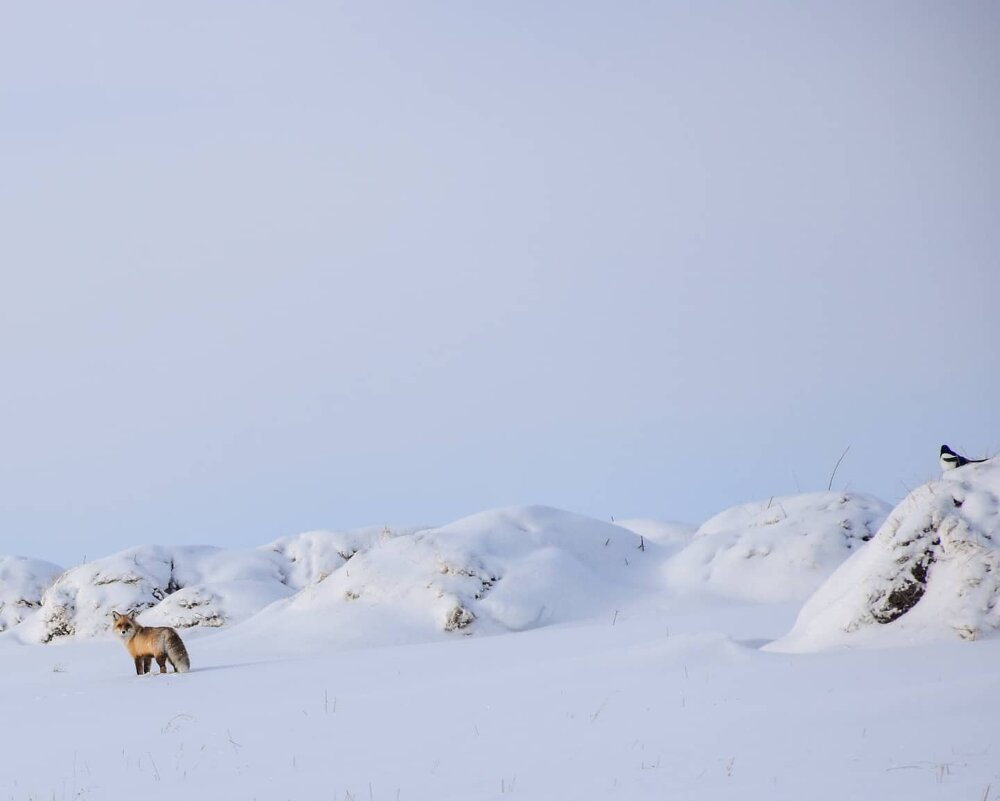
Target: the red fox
(147, 643)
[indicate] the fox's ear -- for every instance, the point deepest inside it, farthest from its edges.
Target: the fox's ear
(115, 615)
(132, 614)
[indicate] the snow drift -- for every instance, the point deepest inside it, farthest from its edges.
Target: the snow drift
(504, 570)
(81, 600)
(309, 558)
(671, 536)
(175, 586)
(931, 572)
(22, 582)
(780, 549)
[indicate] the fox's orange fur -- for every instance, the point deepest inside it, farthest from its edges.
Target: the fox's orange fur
(147, 643)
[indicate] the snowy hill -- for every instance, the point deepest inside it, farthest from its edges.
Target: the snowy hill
(504, 570)
(522, 568)
(309, 558)
(780, 549)
(176, 586)
(81, 600)
(931, 572)
(22, 582)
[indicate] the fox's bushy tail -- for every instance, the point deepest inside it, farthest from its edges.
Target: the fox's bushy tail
(177, 653)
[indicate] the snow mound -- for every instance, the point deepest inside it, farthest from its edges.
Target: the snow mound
(931, 572)
(504, 570)
(81, 600)
(22, 582)
(310, 557)
(217, 604)
(781, 549)
(175, 586)
(671, 535)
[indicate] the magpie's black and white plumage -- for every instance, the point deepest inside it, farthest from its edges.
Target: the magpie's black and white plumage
(950, 460)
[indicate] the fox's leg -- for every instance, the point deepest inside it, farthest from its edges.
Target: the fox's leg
(138, 665)
(162, 662)
(146, 662)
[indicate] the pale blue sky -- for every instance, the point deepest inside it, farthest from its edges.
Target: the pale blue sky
(276, 266)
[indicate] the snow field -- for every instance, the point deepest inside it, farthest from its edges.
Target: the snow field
(577, 711)
(638, 660)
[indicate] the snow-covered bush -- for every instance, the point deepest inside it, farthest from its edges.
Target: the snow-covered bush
(220, 603)
(931, 572)
(504, 570)
(81, 600)
(22, 582)
(310, 557)
(175, 586)
(780, 549)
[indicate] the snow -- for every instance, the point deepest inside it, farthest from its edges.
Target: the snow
(178, 586)
(526, 652)
(499, 571)
(778, 549)
(80, 602)
(310, 557)
(932, 572)
(217, 604)
(671, 535)
(22, 582)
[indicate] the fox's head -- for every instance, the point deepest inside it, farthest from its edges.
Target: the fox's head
(124, 626)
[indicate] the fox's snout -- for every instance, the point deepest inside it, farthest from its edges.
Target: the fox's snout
(123, 631)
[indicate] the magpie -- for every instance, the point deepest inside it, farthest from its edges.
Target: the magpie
(950, 460)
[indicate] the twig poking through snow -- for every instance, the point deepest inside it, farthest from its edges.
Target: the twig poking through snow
(830, 485)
